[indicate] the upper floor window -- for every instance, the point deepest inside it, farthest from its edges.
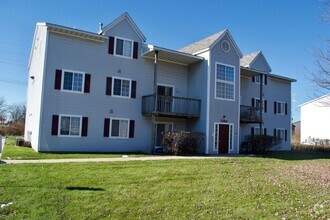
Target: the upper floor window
(256, 79)
(280, 108)
(73, 81)
(121, 87)
(225, 82)
(124, 47)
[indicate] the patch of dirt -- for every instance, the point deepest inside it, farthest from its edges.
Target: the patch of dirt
(314, 174)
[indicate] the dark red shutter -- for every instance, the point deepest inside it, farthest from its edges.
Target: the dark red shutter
(252, 102)
(265, 106)
(253, 78)
(58, 79)
(275, 138)
(133, 89)
(286, 135)
(275, 107)
(87, 83)
(84, 127)
(286, 108)
(135, 50)
(109, 86)
(111, 45)
(55, 125)
(131, 128)
(106, 131)
(252, 131)
(265, 131)
(266, 79)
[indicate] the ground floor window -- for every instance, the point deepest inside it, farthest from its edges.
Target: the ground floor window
(280, 135)
(70, 125)
(119, 128)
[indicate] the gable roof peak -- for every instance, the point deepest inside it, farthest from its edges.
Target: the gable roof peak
(209, 42)
(130, 21)
(248, 59)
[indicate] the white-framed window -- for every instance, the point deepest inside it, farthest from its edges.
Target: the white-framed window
(119, 128)
(257, 131)
(70, 125)
(121, 87)
(73, 81)
(280, 134)
(225, 82)
(280, 110)
(257, 79)
(123, 47)
(257, 104)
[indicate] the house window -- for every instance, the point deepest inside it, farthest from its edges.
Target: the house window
(225, 82)
(70, 125)
(124, 47)
(280, 108)
(256, 79)
(121, 87)
(119, 128)
(257, 104)
(73, 81)
(280, 135)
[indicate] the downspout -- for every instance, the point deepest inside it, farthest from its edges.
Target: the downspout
(261, 110)
(153, 129)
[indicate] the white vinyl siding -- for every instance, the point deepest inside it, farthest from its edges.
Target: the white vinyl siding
(225, 82)
(70, 125)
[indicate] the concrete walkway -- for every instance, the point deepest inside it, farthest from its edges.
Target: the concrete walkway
(121, 159)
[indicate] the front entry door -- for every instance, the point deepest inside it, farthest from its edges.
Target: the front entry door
(223, 138)
(161, 129)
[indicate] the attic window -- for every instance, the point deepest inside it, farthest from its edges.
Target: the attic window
(225, 46)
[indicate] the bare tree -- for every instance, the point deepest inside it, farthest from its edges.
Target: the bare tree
(17, 112)
(321, 77)
(2, 110)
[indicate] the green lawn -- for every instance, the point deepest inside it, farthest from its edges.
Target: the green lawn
(232, 188)
(25, 153)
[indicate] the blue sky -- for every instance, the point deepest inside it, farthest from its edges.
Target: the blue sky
(286, 31)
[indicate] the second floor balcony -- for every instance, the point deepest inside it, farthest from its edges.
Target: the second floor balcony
(171, 106)
(250, 114)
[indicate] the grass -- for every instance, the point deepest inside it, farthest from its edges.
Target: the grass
(232, 188)
(25, 153)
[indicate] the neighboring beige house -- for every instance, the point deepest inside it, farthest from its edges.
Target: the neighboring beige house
(315, 121)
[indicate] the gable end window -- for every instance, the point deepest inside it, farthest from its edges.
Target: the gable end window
(123, 47)
(225, 82)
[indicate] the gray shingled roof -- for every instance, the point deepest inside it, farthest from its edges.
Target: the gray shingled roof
(202, 44)
(247, 59)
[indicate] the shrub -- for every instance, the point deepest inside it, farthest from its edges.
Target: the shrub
(254, 143)
(181, 142)
(315, 148)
